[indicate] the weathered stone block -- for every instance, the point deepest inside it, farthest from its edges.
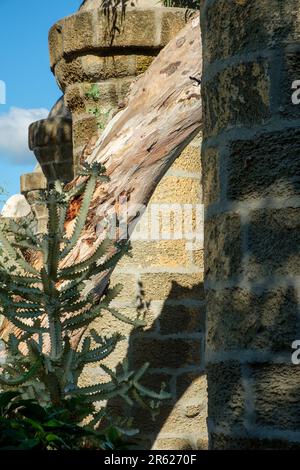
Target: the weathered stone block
(155, 381)
(142, 62)
(223, 246)
(277, 395)
(238, 95)
(274, 241)
(229, 32)
(109, 92)
(75, 99)
(78, 32)
(32, 181)
(181, 319)
(268, 165)
(68, 71)
(171, 353)
(198, 257)
(170, 420)
(176, 190)
(192, 386)
(169, 253)
(240, 319)
(172, 21)
(84, 129)
(54, 154)
(211, 176)
(226, 400)
(137, 29)
(189, 160)
(99, 68)
(64, 170)
(55, 43)
(159, 286)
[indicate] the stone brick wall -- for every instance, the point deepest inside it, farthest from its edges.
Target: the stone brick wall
(171, 274)
(83, 55)
(251, 171)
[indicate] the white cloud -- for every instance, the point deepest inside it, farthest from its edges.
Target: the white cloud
(14, 133)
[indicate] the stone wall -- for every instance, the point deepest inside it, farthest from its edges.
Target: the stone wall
(251, 169)
(95, 71)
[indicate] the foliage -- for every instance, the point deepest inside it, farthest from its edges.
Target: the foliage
(52, 303)
(101, 117)
(94, 92)
(26, 425)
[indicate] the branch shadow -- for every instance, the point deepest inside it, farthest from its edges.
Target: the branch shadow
(174, 346)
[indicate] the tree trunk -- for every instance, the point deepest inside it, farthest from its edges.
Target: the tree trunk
(162, 114)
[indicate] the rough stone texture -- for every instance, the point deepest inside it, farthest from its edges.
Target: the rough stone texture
(230, 32)
(147, 29)
(171, 285)
(274, 241)
(246, 84)
(84, 53)
(276, 395)
(266, 321)
(211, 182)
(250, 147)
(226, 409)
(182, 318)
(33, 182)
(223, 246)
(91, 4)
(173, 353)
(257, 169)
(51, 141)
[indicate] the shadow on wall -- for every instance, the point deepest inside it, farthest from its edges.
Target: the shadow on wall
(174, 346)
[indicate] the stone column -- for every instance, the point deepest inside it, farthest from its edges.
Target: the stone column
(251, 167)
(95, 71)
(51, 141)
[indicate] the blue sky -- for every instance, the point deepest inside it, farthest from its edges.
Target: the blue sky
(31, 89)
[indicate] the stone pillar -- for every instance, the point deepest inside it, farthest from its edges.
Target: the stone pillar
(95, 71)
(250, 158)
(51, 141)
(95, 66)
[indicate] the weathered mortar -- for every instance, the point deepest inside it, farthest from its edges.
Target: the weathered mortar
(251, 173)
(171, 271)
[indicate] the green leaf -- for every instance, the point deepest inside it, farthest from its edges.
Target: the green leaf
(29, 444)
(79, 267)
(16, 255)
(53, 437)
(7, 397)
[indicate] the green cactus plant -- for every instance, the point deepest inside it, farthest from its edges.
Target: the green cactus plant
(48, 305)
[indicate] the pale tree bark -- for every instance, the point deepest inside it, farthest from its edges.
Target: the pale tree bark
(162, 114)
